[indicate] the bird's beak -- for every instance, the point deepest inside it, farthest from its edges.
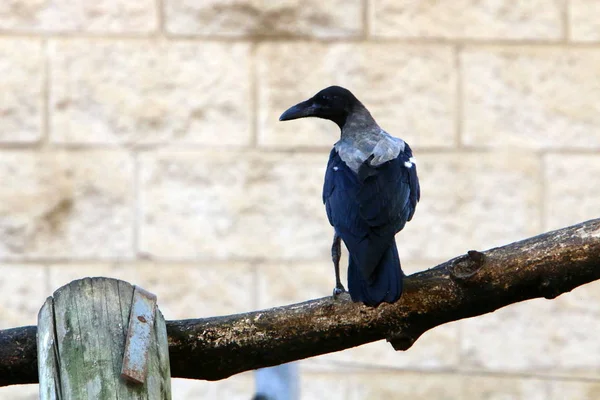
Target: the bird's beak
(305, 109)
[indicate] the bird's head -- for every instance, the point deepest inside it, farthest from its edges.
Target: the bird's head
(333, 103)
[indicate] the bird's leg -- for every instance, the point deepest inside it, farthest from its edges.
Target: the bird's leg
(336, 253)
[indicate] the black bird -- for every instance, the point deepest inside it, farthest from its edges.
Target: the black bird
(371, 190)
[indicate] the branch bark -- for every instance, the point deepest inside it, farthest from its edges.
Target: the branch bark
(473, 284)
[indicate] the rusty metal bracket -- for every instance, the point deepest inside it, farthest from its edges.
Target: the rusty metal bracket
(137, 344)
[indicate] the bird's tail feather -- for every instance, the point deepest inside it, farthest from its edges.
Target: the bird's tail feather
(384, 285)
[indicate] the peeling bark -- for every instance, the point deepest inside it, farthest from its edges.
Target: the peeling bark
(473, 284)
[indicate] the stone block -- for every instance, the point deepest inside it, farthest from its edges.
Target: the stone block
(102, 16)
(335, 18)
(537, 98)
(574, 390)
(410, 90)
(570, 198)
(292, 282)
(360, 385)
(467, 19)
(20, 392)
(238, 387)
(584, 20)
(582, 300)
(24, 290)
(21, 85)
(150, 92)
(545, 337)
(59, 204)
(316, 386)
(471, 201)
(500, 388)
(233, 205)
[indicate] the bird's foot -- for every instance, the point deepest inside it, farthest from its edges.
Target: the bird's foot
(339, 289)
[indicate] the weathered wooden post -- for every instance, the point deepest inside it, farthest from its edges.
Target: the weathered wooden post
(101, 338)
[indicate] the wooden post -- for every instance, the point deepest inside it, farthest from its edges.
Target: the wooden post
(82, 331)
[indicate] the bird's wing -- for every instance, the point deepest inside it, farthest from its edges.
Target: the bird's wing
(389, 192)
(369, 209)
(340, 195)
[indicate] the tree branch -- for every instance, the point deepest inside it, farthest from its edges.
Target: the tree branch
(470, 285)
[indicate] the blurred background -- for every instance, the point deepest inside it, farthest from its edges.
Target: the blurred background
(139, 140)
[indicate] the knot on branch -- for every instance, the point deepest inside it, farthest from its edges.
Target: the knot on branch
(401, 342)
(466, 266)
(404, 339)
(549, 290)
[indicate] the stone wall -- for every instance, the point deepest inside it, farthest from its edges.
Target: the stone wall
(139, 139)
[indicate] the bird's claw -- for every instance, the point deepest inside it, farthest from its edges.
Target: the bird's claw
(338, 290)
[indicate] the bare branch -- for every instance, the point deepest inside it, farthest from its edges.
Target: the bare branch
(470, 285)
(18, 356)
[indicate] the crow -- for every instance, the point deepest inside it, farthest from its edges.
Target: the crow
(371, 190)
